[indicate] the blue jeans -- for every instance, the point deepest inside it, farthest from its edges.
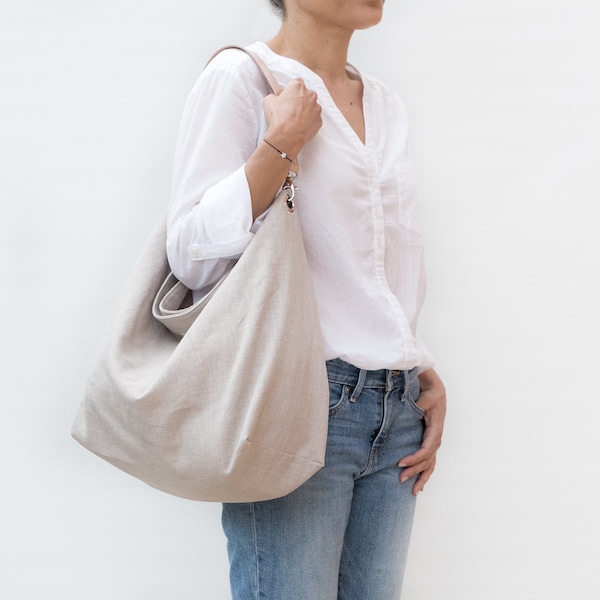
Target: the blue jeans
(344, 534)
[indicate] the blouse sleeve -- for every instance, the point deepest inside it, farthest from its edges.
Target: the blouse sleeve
(210, 214)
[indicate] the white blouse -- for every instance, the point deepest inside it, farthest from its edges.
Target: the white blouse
(356, 204)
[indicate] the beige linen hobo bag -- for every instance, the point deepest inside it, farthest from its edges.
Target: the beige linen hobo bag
(224, 400)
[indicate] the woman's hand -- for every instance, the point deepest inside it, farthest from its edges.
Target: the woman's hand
(294, 117)
(432, 400)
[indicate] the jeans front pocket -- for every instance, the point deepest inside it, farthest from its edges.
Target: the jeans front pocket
(339, 394)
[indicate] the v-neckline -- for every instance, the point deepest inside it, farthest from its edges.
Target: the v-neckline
(310, 75)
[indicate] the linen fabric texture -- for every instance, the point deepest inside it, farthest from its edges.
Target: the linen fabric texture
(228, 402)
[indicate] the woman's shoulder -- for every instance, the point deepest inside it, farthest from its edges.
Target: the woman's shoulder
(381, 89)
(230, 59)
(232, 68)
(384, 97)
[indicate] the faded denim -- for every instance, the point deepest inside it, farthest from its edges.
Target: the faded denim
(344, 534)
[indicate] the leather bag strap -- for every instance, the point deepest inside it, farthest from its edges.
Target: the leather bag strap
(270, 79)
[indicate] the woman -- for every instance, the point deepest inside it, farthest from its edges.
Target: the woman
(343, 534)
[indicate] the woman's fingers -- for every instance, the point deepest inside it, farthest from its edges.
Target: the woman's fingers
(433, 402)
(293, 116)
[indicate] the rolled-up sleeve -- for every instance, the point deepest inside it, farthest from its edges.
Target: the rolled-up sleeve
(210, 215)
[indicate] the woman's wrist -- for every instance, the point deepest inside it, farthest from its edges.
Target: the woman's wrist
(293, 162)
(287, 142)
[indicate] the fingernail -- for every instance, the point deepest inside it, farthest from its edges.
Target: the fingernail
(403, 478)
(402, 465)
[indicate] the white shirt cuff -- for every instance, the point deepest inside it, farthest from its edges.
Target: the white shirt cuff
(226, 215)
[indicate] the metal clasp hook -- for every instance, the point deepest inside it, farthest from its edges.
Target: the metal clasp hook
(290, 190)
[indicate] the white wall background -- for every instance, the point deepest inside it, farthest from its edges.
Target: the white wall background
(504, 100)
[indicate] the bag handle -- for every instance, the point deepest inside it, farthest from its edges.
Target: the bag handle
(270, 79)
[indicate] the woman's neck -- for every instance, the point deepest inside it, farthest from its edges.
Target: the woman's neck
(323, 52)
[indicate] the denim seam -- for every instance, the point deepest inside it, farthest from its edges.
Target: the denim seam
(385, 425)
(370, 386)
(257, 566)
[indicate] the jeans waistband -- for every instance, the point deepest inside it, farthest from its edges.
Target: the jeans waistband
(340, 371)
